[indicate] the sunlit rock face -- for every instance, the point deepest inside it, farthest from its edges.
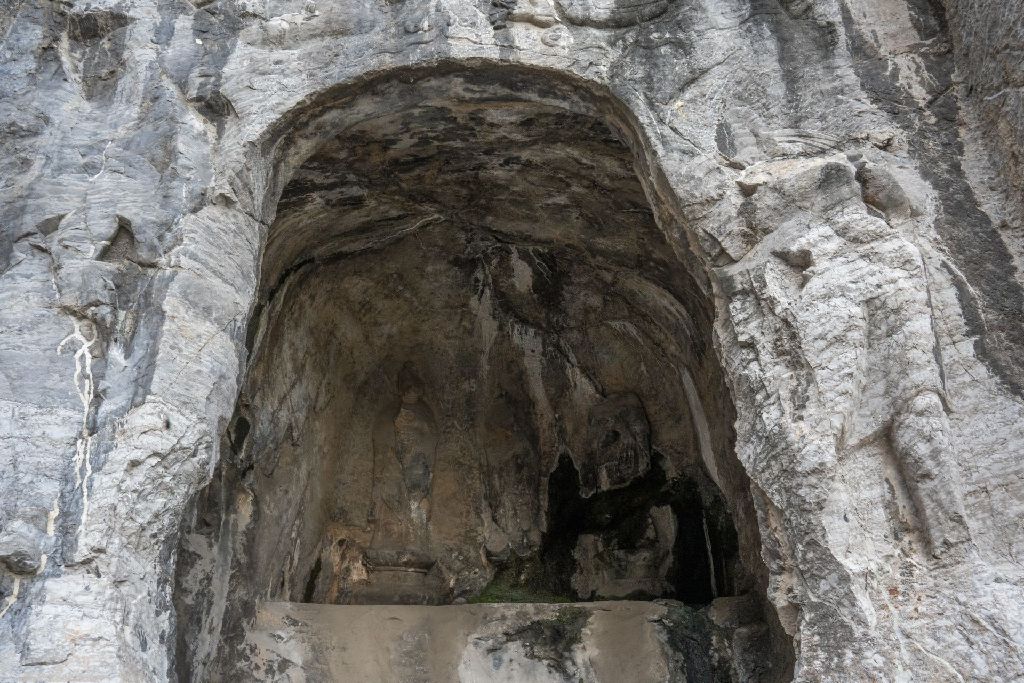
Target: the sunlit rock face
(312, 306)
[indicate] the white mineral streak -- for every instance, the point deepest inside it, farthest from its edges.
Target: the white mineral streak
(700, 423)
(13, 597)
(85, 387)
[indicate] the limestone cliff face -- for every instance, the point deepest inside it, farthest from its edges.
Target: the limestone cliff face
(308, 301)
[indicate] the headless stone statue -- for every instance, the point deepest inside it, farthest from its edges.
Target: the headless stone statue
(920, 435)
(605, 568)
(405, 447)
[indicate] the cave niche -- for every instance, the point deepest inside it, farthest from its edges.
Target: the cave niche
(481, 370)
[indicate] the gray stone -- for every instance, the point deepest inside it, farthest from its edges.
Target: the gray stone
(792, 231)
(22, 547)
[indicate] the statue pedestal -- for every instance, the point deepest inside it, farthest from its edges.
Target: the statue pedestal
(399, 577)
(606, 642)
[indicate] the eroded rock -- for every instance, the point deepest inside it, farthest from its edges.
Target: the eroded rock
(788, 229)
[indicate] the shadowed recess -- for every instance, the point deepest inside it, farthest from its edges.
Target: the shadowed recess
(479, 373)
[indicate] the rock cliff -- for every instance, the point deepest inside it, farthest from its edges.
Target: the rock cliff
(713, 303)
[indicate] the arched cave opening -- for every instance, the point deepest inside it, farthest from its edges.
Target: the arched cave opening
(481, 371)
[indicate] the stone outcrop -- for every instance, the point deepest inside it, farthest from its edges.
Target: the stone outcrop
(359, 302)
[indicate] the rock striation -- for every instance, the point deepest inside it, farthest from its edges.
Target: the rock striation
(714, 307)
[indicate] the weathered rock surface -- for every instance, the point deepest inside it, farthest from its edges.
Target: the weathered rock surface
(435, 279)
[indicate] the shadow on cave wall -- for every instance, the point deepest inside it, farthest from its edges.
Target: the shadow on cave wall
(480, 372)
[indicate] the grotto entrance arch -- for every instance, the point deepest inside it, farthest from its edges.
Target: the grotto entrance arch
(481, 368)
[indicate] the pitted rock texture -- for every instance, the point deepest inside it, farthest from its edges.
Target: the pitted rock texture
(788, 231)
